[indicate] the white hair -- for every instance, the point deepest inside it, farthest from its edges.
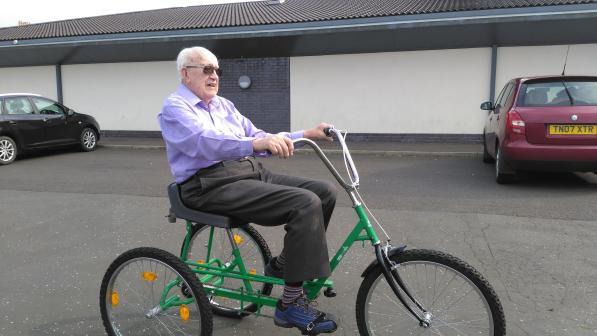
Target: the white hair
(185, 56)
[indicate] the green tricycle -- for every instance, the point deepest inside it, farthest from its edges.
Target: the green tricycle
(148, 291)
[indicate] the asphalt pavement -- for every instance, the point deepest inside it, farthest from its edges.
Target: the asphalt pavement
(65, 215)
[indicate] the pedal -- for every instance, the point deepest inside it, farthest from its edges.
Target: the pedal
(330, 292)
(186, 291)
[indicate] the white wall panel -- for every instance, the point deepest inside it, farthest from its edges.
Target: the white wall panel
(435, 91)
(544, 60)
(121, 96)
(38, 79)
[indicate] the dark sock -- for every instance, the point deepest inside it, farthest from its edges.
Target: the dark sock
(280, 261)
(292, 290)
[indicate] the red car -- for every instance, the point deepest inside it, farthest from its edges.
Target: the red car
(542, 123)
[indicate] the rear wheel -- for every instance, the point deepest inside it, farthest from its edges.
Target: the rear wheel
(501, 176)
(88, 139)
(141, 295)
(8, 150)
(255, 255)
(458, 299)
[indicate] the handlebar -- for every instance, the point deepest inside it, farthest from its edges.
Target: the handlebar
(350, 167)
(353, 174)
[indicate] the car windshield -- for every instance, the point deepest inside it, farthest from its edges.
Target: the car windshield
(559, 93)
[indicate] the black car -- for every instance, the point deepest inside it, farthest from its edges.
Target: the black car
(29, 121)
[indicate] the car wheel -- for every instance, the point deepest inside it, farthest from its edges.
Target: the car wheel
(486, 157)
(88, 140)
(8, 150)
(501, 176)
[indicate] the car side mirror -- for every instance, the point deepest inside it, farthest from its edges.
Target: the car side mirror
(487, 106)
(70, 113)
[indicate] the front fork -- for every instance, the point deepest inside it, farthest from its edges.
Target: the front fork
(390, 272)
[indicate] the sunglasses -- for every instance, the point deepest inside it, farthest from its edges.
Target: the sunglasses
(207, 69)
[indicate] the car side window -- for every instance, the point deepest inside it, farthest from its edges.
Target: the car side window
(507, 91)
(509, 95)
(45, 106)
(18, 105)
(499, 97)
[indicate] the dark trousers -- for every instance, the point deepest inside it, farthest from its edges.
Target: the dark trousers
(244, 189)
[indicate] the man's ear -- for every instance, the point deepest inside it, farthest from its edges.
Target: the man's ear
(184, 75)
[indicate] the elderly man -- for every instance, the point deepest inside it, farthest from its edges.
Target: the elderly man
(211, 149)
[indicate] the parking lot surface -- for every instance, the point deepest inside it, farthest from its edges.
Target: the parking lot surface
(67, 215)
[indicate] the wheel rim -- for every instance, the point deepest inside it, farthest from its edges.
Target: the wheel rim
(133, 296)
(249, 249)
(89, 139)
(457, 306)
(7, 150)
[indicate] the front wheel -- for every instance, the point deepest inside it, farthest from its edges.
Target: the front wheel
(460, 301)
(486, 156)
(141, 294)
(88, 140)
(8, 150)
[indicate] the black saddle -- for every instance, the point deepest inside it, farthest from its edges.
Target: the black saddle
(179, 210)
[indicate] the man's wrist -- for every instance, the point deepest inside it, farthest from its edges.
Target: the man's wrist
(249, 146)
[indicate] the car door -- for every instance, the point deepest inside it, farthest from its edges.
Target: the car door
(25, 124)
(501, 112)
(497, 116)
(493, 118)
(56, 123)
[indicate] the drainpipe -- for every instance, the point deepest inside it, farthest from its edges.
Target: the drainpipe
(493, 71)
(59, 83)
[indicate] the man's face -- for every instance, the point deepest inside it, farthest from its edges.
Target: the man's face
(200, 76)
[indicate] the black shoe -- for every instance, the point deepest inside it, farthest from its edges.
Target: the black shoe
(272, 270)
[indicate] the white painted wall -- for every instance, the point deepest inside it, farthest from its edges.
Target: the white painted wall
(434, 91)
(121, 96)
(437, 91)
(544, 60)
(38, 79)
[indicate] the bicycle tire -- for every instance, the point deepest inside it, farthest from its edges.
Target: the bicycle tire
(221, 306)
(127, 311)
(379, 312)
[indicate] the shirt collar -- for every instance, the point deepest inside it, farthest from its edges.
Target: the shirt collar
(190, 97)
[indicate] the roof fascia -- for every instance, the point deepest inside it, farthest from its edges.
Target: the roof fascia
(561, 12)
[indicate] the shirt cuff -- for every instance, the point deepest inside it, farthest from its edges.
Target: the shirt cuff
(246, 147)
(296, 135)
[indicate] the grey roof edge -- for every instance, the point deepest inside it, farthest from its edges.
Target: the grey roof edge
(559, 12)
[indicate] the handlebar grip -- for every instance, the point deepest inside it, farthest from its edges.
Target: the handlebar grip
(327, 131)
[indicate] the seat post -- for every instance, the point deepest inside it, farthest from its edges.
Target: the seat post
(187, 241)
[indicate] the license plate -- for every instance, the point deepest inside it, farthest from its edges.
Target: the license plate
(573, 129)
